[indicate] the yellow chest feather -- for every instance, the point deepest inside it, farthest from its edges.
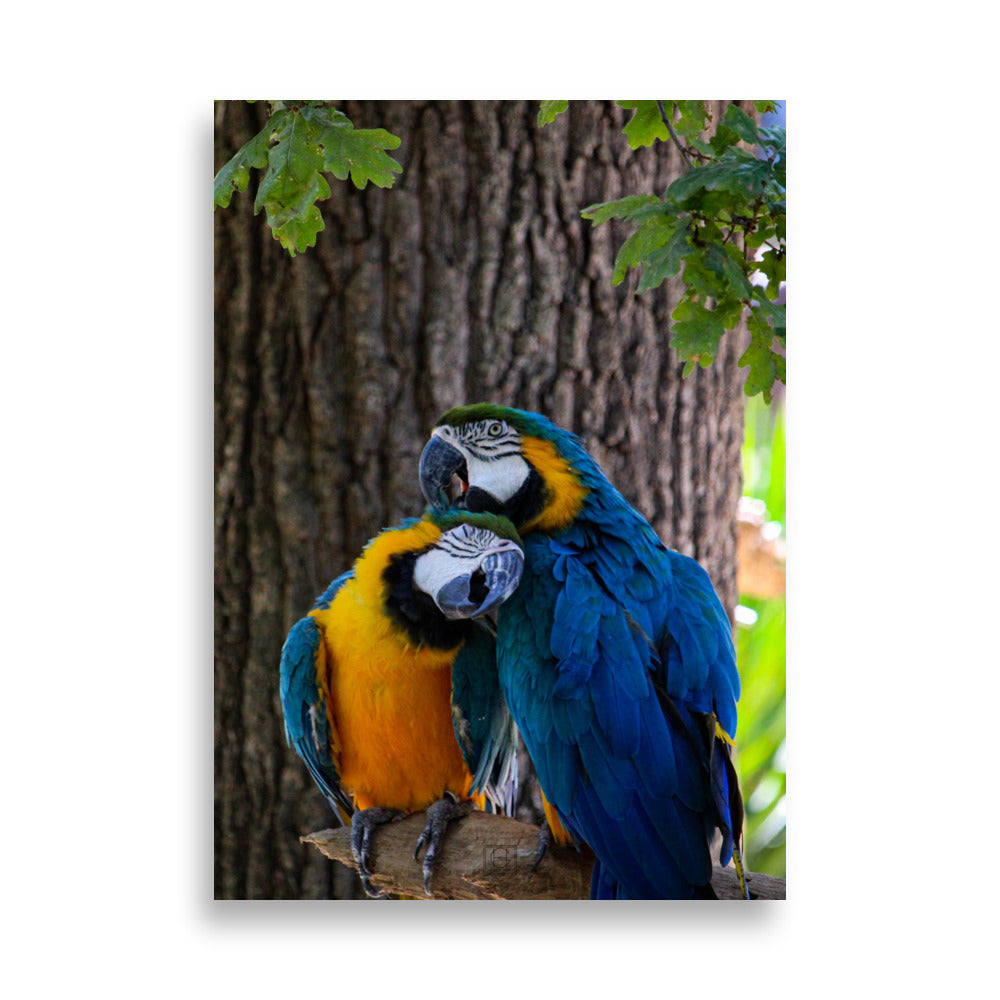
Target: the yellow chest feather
(389, 706)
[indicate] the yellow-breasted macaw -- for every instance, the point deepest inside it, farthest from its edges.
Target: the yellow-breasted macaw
(614, 653)
(389, 688)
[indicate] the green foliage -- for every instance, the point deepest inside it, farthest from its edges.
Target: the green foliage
(764, 456)
(760, 754)
(760, 651)
(549, 110)
(301, 141)
(719, 224)
(646, 125)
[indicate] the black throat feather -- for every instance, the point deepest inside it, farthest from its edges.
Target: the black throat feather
(415, 611)
(525, 505)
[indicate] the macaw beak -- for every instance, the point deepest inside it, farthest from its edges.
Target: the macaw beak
(444, 480)
(472, 595)
(444, 475)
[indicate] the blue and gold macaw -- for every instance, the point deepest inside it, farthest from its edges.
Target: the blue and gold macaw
(614, 654)
(389, 688)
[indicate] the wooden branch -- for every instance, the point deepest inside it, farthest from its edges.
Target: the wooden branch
(490, 857)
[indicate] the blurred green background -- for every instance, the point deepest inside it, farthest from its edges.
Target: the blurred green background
(760, 637)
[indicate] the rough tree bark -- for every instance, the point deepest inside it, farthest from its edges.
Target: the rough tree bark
(473, 279)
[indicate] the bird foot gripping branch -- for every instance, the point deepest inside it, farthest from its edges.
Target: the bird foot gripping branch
(363, 824)
(439, 815)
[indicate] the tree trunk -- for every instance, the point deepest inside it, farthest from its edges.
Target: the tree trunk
(473, 279)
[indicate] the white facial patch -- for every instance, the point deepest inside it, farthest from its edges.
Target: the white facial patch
(494, 461)
(436, 567)
(501, 478)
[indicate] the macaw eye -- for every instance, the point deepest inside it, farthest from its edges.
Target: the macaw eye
(495, 429)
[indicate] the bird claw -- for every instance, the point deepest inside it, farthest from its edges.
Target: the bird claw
(439, 815)
(544, 839)
(363, 824)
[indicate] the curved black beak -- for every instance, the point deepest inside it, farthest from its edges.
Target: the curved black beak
(474, 594)
(444, 475)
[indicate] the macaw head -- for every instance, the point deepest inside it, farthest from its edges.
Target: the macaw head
(473, 567)
(505, 461)
(430, 576)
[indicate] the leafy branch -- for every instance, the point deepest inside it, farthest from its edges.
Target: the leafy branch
(721, 224)
(301, 141)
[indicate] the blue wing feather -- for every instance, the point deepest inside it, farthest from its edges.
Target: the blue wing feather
(611, 653)
(307, 728)
(703, 660)
(324, 599)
